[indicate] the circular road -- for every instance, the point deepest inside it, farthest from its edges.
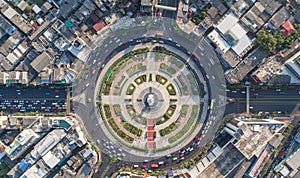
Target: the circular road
(121, 39)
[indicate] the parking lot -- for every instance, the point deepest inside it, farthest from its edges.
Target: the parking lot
(48, 99)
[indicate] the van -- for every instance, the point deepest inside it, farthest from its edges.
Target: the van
(161, 163)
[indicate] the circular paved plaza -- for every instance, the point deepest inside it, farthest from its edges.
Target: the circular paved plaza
(151, 99)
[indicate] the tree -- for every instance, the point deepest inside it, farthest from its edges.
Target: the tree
(266, 41)
(280, 42)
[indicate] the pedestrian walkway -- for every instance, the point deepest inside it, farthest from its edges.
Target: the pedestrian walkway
(150, 133)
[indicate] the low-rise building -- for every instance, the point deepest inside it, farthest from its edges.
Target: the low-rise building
(289, 167)
(279, 18)
(231, 39)
(16, 19)
(267, 70)
(244, 140)
(21, 143)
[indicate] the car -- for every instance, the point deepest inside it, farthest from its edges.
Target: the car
(233, 91)
(138, 41)
(243, 92)
(135, 166)
(198, 139)
(175, 158)
(251, 107)
(255, 94)
(168, 156)
(146, 161)
(87, 84)
(144, 167)
(56, 96)
(161, 163)
(102, 66)
(178, 45)
(94, 61)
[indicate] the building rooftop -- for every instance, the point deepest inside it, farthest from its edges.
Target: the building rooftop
(99, 25)
(34, 171)
(16, 19)
(230, 34)
(40, 62)
(280, 17)
(288, 28)
(238, 73)
(260, 162)
(256, 134)
(146, 2)
(267, 70)
(50, 160)
(223, 165)
(47, 143)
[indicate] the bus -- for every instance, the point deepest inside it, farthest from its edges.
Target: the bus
(211, 104)
(154, 165)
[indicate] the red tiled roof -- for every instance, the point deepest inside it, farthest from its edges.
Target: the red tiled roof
(288, 28)
(99, 25)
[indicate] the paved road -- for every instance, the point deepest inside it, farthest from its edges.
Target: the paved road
(39, 92)
(265, 93)
(261, 106)
(46, 99)
(170, 3)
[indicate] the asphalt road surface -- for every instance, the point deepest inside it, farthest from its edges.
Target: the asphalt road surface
(45, 99)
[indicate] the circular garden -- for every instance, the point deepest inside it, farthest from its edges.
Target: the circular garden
(151, 99)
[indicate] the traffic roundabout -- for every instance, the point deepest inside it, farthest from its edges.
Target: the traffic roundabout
(149, 97)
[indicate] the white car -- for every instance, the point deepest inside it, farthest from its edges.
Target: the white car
(102, 66)
(56, 96)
